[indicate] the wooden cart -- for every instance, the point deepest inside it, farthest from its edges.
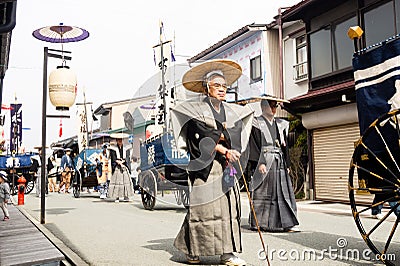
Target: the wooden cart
(163, 168)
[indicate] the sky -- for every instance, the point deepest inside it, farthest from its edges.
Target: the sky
(117, 58)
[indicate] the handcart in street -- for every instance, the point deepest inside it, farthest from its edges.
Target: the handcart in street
(20, 165)
(374, 175)
(163, 168)
(85, 171)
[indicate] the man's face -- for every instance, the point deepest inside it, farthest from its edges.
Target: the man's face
(119, 142)
(217, 88)
(270, 108)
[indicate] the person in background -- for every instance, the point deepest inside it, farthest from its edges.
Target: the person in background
(134, 172)
(4, 194)
(37, 170)
(271, 187)
(214, 133)
(103, 171)
(52, 173)
(67, 166)
(120, 183)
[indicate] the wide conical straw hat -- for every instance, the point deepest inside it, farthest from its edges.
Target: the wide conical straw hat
(194, 78)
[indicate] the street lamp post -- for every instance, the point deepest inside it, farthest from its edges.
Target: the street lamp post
(47, 53)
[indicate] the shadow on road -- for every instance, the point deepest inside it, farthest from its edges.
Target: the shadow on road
(167, 244)
(56, 210)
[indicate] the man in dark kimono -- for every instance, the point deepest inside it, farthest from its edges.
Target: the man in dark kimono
(271, 187)
(120, 187)
(214, 133)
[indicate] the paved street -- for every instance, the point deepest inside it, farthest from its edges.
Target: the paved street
(102, 232)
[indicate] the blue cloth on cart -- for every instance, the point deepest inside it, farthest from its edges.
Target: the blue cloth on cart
(20, 161)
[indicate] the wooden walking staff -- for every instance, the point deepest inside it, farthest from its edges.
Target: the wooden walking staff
(254, 212)
(251, 204)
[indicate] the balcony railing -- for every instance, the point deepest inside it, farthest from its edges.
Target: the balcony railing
(300, 71)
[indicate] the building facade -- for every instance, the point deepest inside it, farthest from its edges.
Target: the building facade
(328, 108)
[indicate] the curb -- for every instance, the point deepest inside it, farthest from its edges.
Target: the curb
(71, 258)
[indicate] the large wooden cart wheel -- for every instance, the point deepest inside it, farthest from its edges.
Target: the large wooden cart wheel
(182, 197)
(178, 196)
(374, 181)
(76, 184)
(76, 190)
(148, 189)
(185, 197)
(29, 186)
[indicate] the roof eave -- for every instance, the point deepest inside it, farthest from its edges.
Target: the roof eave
(226, 40)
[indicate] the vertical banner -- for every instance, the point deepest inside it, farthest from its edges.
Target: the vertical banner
(377, 83)
(16, 126)
(82, 128)
(163, 94)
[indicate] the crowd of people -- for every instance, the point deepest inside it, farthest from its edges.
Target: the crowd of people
(115, 176)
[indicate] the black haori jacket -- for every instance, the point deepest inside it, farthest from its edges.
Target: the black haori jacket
(197, 129)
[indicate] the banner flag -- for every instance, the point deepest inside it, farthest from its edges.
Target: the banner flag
(172, 55)
(83, 138)
(16, 126)
(377, 84)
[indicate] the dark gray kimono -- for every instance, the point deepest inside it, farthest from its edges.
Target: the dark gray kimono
(272, 194)
(212, 223)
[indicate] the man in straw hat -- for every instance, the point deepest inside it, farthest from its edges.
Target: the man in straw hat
(120, 183)
(272, 192)
(214, 133)
(4, 194)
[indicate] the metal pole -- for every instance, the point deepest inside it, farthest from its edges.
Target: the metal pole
(281, 94)
(43, 155)
(1, 92)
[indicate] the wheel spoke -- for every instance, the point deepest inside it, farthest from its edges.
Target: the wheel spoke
(375, 175)
(380, 161)
(389, 240)
(387, 149)
(381, 221)
(396, 122)
(377, 204)
(375, 190)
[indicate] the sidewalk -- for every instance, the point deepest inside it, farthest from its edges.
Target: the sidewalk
(22, 243)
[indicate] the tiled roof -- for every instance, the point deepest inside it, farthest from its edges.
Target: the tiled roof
(324, 91)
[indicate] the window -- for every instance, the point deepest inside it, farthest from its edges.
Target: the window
(321, 56)
(255, 68)
(300, 68)
(379, 23)
(342, 47)
(331, 49)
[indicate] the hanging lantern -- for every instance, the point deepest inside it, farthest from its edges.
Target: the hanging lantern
(62, 88)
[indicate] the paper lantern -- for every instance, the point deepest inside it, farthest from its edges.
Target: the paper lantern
(62, 88)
